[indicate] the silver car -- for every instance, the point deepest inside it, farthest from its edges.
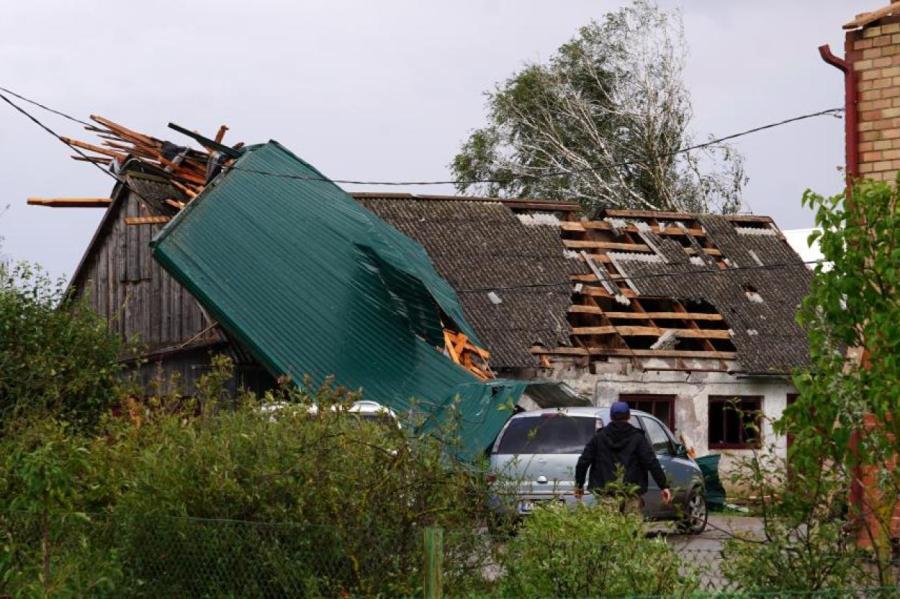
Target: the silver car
(536, 452)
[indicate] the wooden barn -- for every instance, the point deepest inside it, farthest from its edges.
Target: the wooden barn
(170, 339)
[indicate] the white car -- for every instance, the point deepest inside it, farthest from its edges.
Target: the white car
(364, 409)
(536, 452)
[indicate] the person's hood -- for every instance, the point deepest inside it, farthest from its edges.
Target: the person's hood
(618, 434)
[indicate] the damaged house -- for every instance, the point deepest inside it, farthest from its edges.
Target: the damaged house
(251, 252)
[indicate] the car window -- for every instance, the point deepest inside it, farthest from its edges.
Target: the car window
(548, 433)
(632, 420)
(658, 438)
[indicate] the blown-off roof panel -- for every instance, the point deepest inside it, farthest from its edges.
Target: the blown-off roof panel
(314, 284)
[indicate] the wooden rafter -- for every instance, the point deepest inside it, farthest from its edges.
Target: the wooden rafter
(146, 220)
(70, 202)
(639, 353)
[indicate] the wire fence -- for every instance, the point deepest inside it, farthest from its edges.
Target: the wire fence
(129, 556)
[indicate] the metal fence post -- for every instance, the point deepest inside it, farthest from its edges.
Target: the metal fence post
(434, 558)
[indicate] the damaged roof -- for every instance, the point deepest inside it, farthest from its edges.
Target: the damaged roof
(486, 254)
(314, 284)
(685, 286)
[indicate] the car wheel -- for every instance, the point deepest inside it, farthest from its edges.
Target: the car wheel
(696, 514)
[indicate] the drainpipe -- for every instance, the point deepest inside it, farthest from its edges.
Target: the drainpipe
(851, 115)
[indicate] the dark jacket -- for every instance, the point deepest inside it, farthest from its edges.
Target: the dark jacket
(619, 443)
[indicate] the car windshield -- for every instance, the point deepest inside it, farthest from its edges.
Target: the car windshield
(548, 433)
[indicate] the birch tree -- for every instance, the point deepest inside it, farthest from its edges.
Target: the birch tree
(601, 123)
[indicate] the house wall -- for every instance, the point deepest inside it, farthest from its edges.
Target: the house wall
(141, 302)
(692, 390)
(151, 311)
(874, 53)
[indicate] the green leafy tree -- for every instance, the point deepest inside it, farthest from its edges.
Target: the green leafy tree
(57, 357)
(599, 123)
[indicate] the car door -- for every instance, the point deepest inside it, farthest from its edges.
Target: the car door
(665, 452)
(683, 473)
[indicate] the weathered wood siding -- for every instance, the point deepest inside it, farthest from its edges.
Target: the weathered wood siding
(133, 293)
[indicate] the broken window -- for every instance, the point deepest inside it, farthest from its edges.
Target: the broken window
(735, 422)
(661, 406)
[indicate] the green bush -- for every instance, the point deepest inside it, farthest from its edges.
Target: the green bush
(57, 357)
(587, 552)
(251, 500)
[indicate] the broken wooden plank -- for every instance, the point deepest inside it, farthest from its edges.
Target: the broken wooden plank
(603, 225)
(70, 202)
(707, 251)
(638, 331)
(92, 148)
(645, 315)
(125, 132)
(634, 353)
(606, 245)
(592, 278)
(94, 159)
(220, 134)
(600, 292)
(147, 220)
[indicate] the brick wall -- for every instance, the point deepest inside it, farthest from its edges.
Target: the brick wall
(874, 52)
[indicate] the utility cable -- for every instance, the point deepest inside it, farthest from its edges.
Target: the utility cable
(76, 149)
(119, 180)
(47, 108)
(827, 112)
(568, 284)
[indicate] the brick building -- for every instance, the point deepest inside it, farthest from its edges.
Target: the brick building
(871, 67)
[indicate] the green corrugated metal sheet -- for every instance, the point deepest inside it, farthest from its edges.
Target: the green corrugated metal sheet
(314, 284)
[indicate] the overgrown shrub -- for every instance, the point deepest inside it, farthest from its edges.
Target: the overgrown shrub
(57, 357)
(251, 500)
(803, 542)
(588, 552)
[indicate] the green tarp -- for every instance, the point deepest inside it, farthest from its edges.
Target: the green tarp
(313, 284)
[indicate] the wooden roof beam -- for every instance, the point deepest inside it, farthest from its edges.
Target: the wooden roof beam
(606, 245)
(636, 331)
(634, 353)
(70, 202)
(576, 309)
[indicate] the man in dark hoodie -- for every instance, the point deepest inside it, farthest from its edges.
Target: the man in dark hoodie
(620, 444)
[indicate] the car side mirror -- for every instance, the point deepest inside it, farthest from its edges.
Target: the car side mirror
(681, 450)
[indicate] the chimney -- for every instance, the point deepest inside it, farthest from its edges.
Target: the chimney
(871, 68)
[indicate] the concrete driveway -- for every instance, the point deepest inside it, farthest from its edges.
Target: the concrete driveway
(705, 550)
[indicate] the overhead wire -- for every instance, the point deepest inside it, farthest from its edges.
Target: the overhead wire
(457, 182)
(63, 140)
(826, 112)
(776, 265)
(119, 180)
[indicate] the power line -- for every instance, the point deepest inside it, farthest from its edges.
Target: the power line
(77, 150)
(464, 290)
(827, 112)
(47, 108)
(568, 284)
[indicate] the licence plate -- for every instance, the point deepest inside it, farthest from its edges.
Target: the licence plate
(526, 507)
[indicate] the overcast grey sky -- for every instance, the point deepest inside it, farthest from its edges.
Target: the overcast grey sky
(379, 90)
